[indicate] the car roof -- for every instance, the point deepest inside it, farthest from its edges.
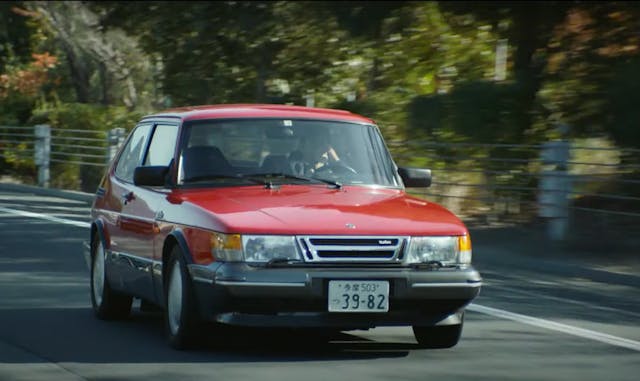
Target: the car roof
(259, 111)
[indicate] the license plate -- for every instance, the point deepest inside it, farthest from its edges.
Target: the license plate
(358, 296)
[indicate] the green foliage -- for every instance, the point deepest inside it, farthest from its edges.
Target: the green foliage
(488, 112)
(362, 107)
(81, 116)
(474, 112)
(421, 70)
(14, 36)
(588, 81)
(16, 109)
(480, 111)
(225, 52)
(16, 161)
(426, 115)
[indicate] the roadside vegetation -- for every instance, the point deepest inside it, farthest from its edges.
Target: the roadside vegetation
(440, 72)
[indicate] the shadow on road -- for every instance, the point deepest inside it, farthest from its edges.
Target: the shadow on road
(75, 335)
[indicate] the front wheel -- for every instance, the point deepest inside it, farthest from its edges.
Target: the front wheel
(181, 316)
(435, 337)
(107, 304)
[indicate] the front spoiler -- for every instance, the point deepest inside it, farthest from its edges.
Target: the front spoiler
(238, 294)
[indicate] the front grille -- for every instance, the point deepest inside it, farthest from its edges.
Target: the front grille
(353, 241)
(352, 249)
(355, 254)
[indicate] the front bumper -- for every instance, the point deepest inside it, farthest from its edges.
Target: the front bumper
(296, 296)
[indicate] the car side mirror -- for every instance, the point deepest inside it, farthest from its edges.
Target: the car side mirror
(152, 176)
(415, 177)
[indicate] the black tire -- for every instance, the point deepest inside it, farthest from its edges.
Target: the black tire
(107, 303)
(182, 322)
(438, 337)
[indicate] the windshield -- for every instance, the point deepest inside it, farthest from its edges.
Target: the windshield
(284, 150)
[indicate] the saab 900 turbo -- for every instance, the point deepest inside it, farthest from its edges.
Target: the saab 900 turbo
(275, 216)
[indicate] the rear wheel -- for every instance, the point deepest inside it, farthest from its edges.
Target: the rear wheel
(107, 303)
(445, 336)
(181, 316)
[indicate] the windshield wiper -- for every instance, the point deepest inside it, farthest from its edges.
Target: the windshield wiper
(336, 184)
(269, 184)
(194, 179)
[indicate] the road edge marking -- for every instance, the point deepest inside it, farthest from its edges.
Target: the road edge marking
(555, 326)
(47, 217)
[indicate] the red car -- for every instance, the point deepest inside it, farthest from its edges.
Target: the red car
(275, 216)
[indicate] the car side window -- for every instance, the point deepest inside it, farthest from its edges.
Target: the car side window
(163, 144)
(132, 153)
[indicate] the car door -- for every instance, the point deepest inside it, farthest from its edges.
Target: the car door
(161, 152)
(135, 228)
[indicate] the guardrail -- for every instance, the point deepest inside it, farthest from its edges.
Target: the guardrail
(566, 186)
(571, 189)
(44, 147)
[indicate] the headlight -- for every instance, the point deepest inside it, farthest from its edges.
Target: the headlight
(446, 250)
(253, 248)
(263, 248)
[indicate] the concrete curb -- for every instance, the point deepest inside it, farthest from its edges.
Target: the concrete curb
(71, 195)
(515, 247)
(492, 256)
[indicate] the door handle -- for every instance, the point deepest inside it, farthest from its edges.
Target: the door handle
(127, 197)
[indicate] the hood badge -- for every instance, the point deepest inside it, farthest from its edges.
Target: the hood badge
(350, 226)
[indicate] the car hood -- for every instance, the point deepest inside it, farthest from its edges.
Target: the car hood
(313, 209)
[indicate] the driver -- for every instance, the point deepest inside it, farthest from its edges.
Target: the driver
(315, 153)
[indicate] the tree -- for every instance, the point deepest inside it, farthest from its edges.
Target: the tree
(590, 73)
(217, 52)
(91, 52)
(15, 34)
(25, 69)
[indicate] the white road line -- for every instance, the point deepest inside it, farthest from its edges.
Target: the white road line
(564, 328)
(47, 217)
(503, 314)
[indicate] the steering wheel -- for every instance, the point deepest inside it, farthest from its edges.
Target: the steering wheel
(337, 167)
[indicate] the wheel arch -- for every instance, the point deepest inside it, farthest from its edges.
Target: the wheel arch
(175, 238)
(98, 228)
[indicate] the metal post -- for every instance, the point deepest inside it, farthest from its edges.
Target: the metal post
(555, 187)
(115, 138)
(42, 153)
(310, 98)
(501, 60)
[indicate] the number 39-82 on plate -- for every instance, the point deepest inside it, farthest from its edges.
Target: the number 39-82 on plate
(358, 296)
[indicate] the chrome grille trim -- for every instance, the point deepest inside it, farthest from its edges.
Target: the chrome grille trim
(349, 249)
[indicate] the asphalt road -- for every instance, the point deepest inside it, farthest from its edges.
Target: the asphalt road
(534, 320)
